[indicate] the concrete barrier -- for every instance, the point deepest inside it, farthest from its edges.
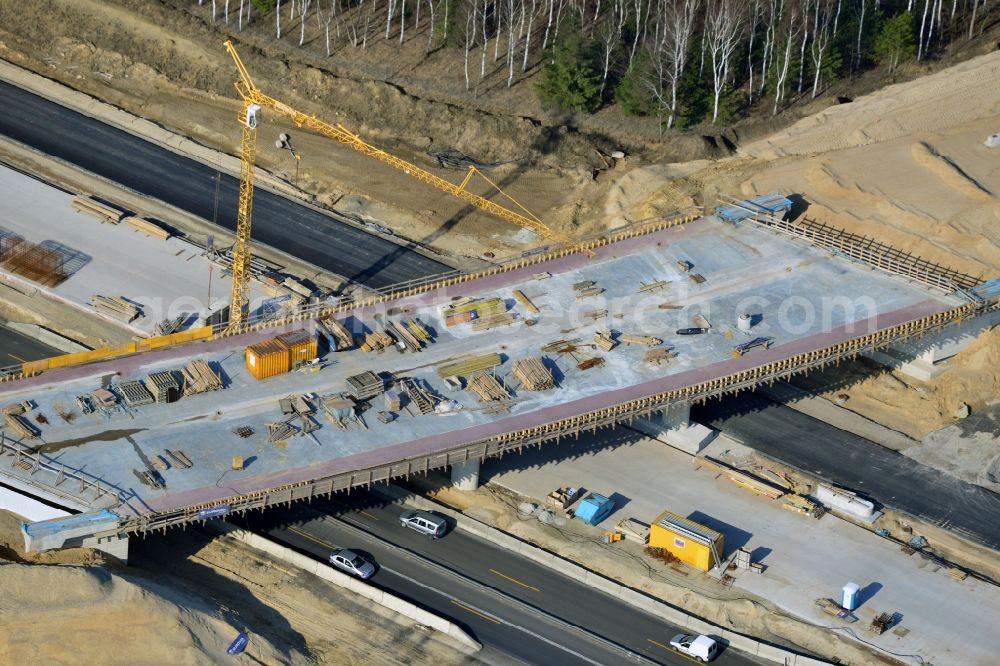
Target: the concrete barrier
(631, 596)
(348, 582)
(47, 337)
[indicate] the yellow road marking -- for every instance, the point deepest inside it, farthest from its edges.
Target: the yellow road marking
(295, 530)
(514, 580)
(670, 649)
(475, 612)
(15, 356)
(365, 513)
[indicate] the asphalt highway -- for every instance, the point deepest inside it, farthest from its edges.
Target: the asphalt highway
(515, 607)
(16, 348)
(310, 235)
(857, 464)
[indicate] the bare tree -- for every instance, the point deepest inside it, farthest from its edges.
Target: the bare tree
(805, 38)
(677, 18)
(611, 36)
(402, 20)
(791, 36)
(303, 11)
(471, 6)
(754, 18)
(821, 39)
(389, 13)
(277, 17)
(723, 29)
(527, 39)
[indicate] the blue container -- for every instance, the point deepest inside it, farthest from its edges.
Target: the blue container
(849, 596)
(240, 644)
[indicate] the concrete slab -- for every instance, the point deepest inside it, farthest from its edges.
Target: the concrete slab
(803, 298)
(167, 278)
(806, 559)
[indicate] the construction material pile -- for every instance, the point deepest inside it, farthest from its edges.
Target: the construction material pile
(41, 264)
(148, 227)
(341, 339)
(487, 388)
(117, 307)
(533, 374)
(467, 309)
(365, 385)
(377, 341)
(98, 210)
(200, 378)
(646, 340)
(469, 365)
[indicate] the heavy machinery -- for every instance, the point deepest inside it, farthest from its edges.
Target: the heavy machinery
(254, 101)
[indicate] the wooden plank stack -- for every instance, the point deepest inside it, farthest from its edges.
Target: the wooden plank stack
(97, 209)
(419, 331)
(200, 378)
(492, 321)
(604, 341)
(116, 306)
(147, 227)
(365, 385)
(343, 337)
(525, 301)
(279, 431)
(377, 341)
(652, 286)
(533, 374)
(659, 356)
(403, 334)
(487, 388)
(469, 365)
(22, 426)
(647, 340)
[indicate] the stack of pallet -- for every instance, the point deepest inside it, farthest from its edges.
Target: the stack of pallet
(533, 374)
(492, 321)
(21, 426)
(147, 227)
(405, 336)
(134, 394)
(200, 378)
(97, 209)
(377, 341)
(365, 385)
(116, 306)
(487, 388)
(647, 340)
(469, 365)
(604, 341)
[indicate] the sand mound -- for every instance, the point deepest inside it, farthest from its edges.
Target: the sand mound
(87, 615)
(951, 97)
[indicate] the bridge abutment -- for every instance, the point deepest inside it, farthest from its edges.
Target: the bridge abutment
(673, 426)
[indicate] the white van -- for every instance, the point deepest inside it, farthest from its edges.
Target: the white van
(700, 647)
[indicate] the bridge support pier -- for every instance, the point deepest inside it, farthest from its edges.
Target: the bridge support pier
(920, 358)
(465, 475)
(673, 426)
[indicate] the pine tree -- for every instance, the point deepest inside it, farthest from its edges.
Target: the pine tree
(569, 77)
(895, 41)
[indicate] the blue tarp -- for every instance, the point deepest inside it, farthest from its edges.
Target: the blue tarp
(771, 203)
(56, 525)
(594, 509)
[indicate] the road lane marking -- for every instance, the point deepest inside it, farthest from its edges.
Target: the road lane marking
(306, 535)
(514, 580)
(365, 513)
(670, 649)
(15, 356)
(475, 612)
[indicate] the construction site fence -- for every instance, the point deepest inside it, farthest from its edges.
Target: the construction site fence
(568, 427)
(78, 358)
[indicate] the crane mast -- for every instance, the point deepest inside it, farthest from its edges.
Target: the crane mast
(254, 100)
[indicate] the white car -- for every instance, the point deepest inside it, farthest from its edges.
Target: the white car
(353, 563)
(702, 648)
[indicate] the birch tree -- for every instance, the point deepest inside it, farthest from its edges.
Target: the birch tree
(821, 39)
(791, 36)
(611, 35)
(303, 11)
(723, 28)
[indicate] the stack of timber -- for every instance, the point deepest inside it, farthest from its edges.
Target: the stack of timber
(377, 341)
(590, 363)
(116, 306)
(466, 309)
(659, 356)
(743, 479)
(337, 335)
(561, 346)
(21, 426)
(594, 315)
(404, 335)
(365, 385)
(669, 306)
(168, 326)
(492, 321)
(423, 401)
(17, 408)
(651, 287)
(697, 278)
(419, 331)
(525, 301)
(134, 394)
(487, 388)
(148, 227)
(179, 458)
(533, 374)
(588, 292)
(604, 341)
(200, 378)
(647, 340)
(97, 209)
(469, 365)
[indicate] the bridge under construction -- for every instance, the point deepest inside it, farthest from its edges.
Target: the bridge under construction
(448, 372)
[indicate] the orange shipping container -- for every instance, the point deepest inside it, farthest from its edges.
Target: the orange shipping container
(267, 359)
(301, 347)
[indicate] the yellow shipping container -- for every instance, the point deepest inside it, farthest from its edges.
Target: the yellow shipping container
(301, 347)
(267, 359)
(690, 542)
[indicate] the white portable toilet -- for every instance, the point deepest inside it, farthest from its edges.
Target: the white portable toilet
(849, 596)
(744, 322)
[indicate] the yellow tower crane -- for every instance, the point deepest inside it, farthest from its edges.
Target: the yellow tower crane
(254, 101)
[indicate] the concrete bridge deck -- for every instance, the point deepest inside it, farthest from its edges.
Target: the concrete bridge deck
(805, 299)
